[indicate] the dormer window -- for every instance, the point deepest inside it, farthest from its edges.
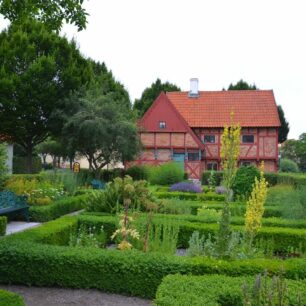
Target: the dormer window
(162, 124)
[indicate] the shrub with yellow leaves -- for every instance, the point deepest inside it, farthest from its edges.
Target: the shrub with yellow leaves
(255, 206)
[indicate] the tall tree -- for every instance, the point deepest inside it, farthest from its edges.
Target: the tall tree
(39, 69)
(301, 152)
(284, 128)
(150, 94)
(242, 85)
(51, 12)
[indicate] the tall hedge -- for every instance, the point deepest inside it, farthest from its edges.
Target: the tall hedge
(20, 164)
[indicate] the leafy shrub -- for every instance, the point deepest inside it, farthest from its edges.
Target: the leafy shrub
(218, 176)
(216, 290)
(186, 187)
(3, 166)
(111, 199)
(287, 165)
(212, 181)
(10, 299)
(172, 206)
(137, 172)
(57, 209)
(3, 222)
(166, 174)
(244, 180)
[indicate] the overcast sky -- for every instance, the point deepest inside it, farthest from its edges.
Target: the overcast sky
(219, 42)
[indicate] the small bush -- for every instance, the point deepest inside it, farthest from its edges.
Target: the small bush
(287, 165)
(3, 222)
(10, 299)
(137, 172)
(244, 180)
(186, 187)
(166, 174)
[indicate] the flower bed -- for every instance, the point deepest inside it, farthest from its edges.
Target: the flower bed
(40, 257)
(186, 187)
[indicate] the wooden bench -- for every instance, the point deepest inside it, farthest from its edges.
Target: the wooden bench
(11, 204)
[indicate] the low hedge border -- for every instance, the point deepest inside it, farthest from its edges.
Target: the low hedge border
(8, 298)
(189, 196)
(278, 239)
(126, 272)
(57, 209)
(236, 208)
(214, 290)
(3, 222)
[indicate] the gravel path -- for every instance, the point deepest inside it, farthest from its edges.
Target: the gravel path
(35, 296)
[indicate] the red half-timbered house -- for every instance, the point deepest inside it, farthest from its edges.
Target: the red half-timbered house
(186, 127)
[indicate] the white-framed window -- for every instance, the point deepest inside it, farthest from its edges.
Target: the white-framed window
(162, 124)
(209, 139)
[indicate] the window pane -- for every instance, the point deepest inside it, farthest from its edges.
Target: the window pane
(209, 138)
(193, 156)
(162, 124)
(247, 138)
(245, 163)
(212, 166)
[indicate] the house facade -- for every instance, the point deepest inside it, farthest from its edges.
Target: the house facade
(186, 127)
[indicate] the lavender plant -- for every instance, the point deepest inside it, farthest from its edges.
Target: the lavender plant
(186, 187)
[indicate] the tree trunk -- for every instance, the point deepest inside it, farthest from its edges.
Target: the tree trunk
(29, 159)
(71, 163)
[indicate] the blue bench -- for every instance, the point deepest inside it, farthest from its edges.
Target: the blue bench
(97, 184)
(11, 204)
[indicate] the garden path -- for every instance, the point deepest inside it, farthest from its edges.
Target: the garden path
(18, 226)
(35, 296)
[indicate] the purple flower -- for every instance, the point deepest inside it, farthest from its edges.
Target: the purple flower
(220, 190)
(186, 187)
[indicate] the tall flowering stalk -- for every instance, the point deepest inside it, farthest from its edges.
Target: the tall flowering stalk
(255, 206)
(230, 150)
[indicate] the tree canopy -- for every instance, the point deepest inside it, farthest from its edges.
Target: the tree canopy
(39, 69)
(102, 131)
(242, 85)
(284, 128)
(51, 12)
(150, 94)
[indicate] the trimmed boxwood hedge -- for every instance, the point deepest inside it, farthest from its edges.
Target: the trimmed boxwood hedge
(236, 208)
(3, 221)
(58, 208)
(214, 290)
(10, 299)
(279, 239)
(31, 258)
(190, 196)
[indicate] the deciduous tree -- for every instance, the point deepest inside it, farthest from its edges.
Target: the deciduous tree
(38, 70)
(51, 12)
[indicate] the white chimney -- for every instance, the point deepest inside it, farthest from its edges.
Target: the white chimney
(194, 88)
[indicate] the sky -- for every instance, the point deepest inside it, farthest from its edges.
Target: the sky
(219, 42)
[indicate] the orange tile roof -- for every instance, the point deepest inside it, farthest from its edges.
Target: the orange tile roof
(252, 108)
